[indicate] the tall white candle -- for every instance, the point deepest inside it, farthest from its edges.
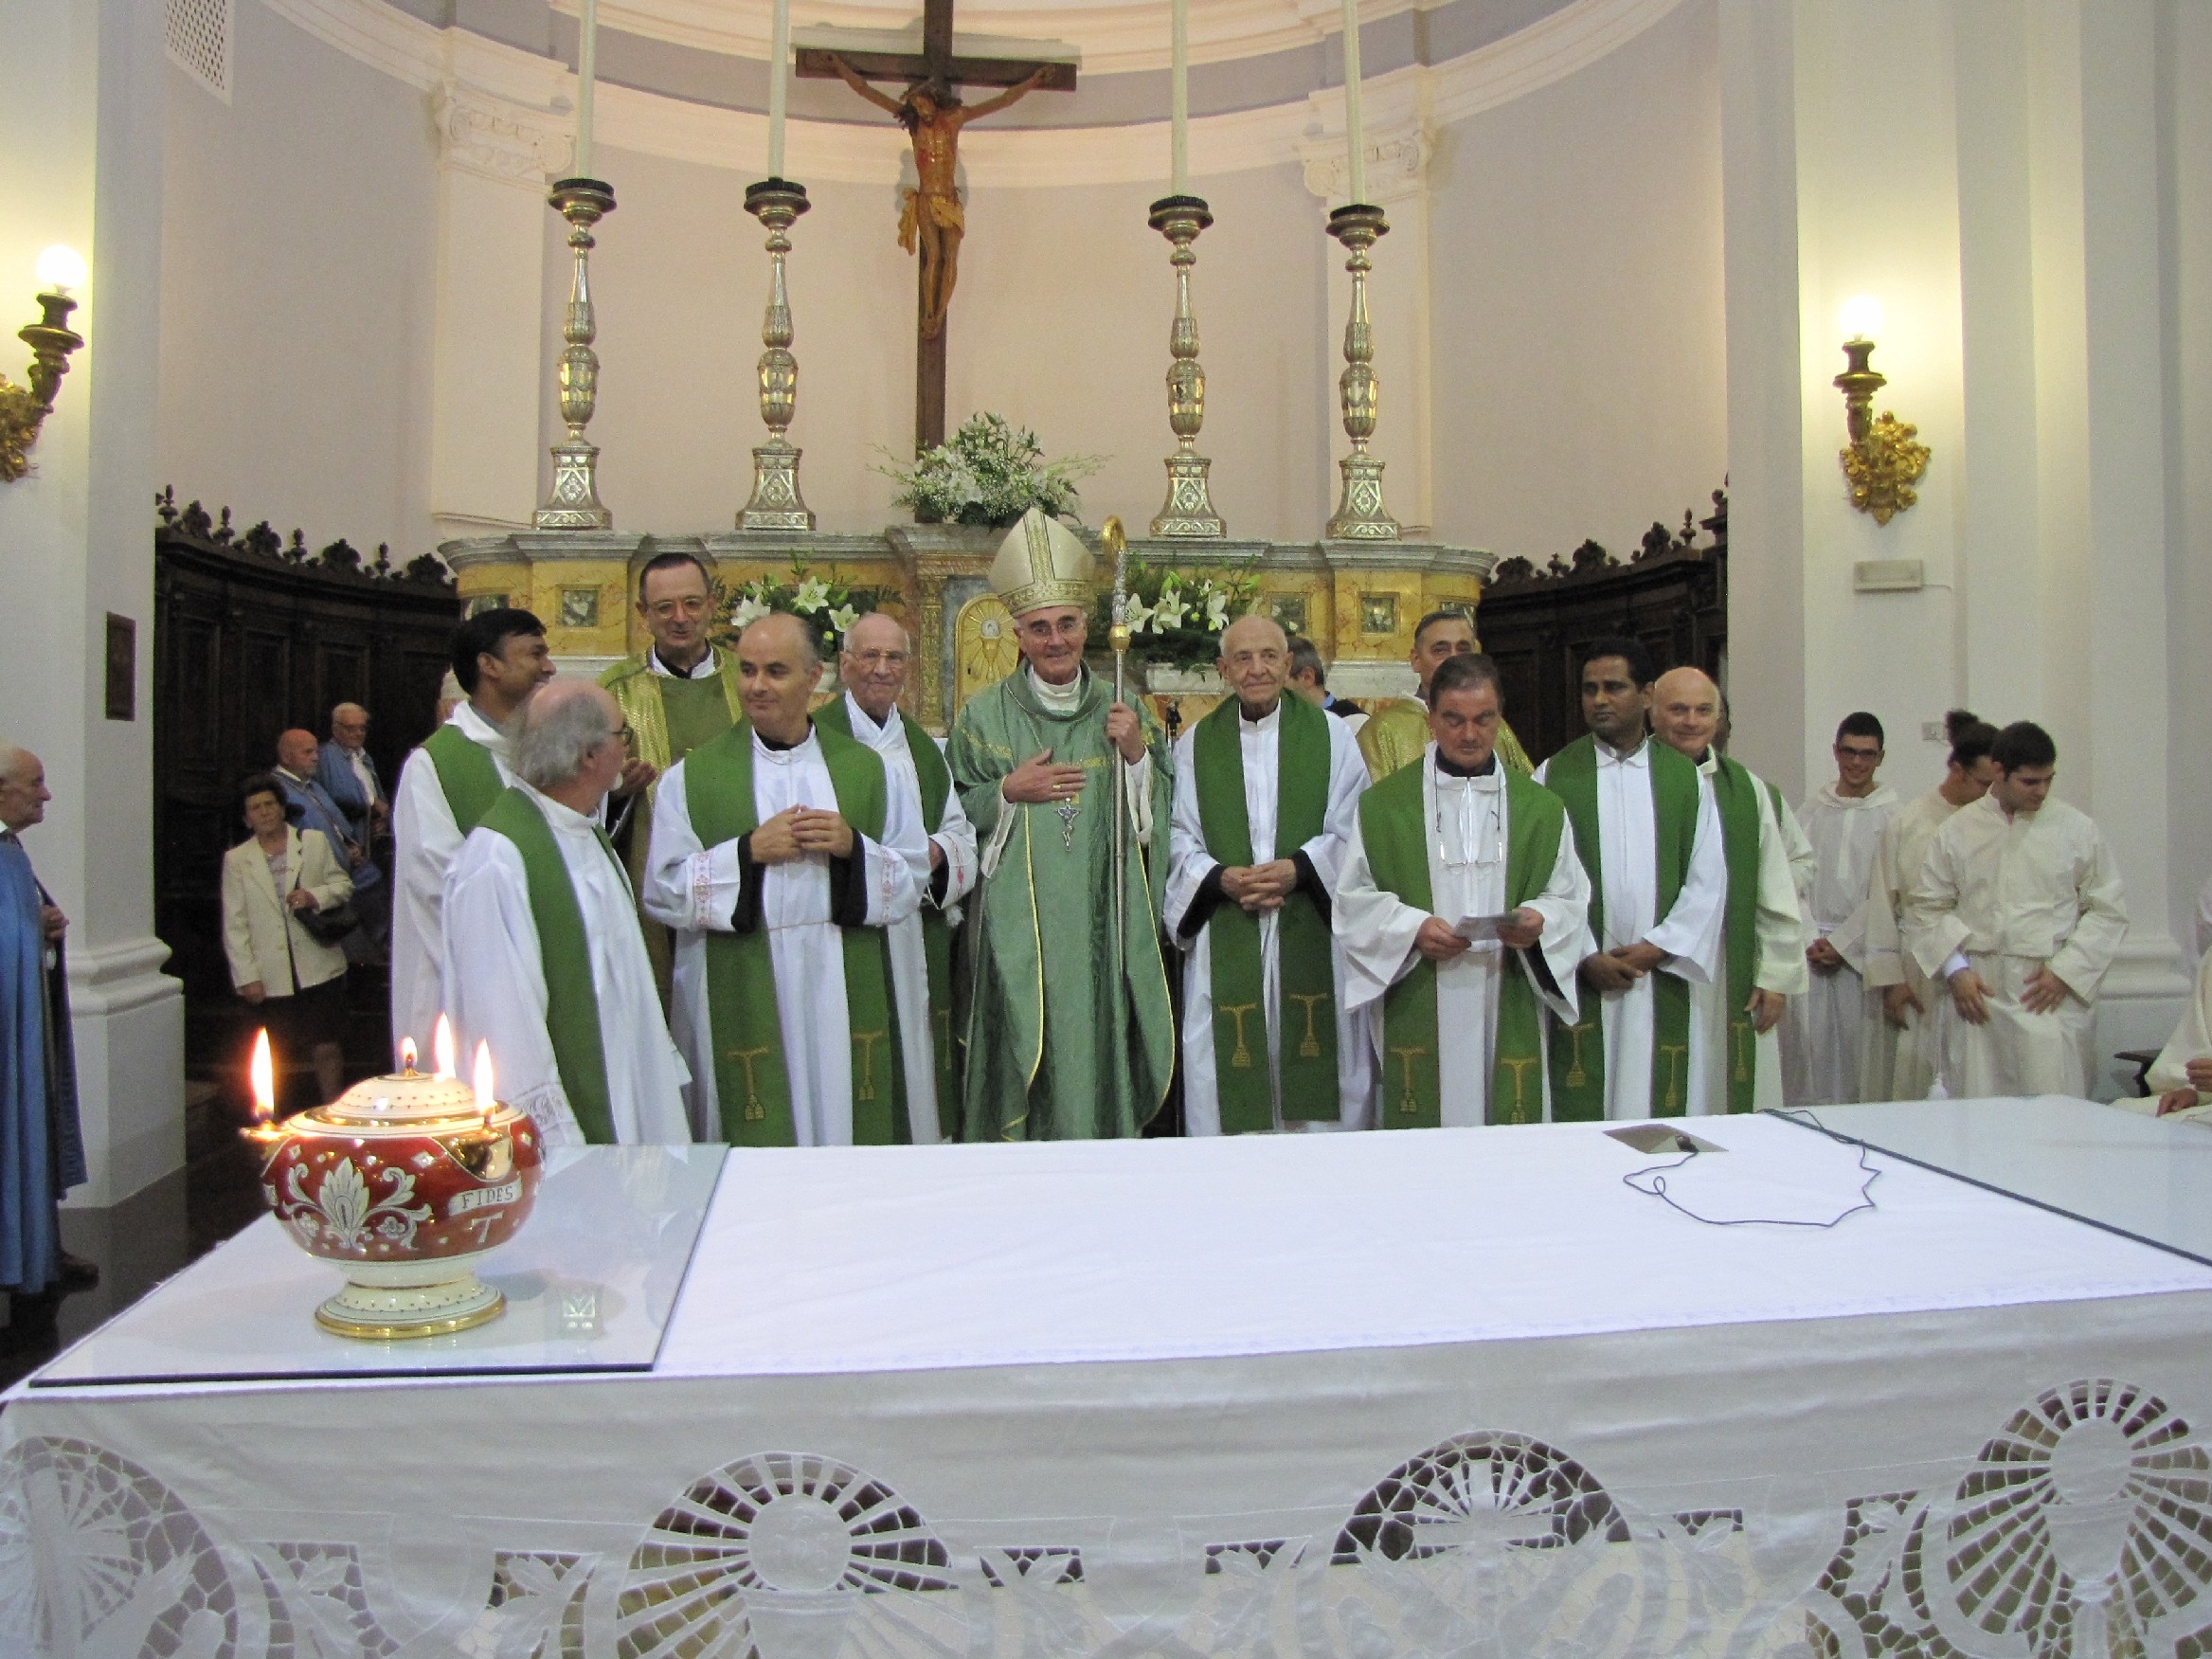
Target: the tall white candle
(586, 72)
(1178, 99)
(779, 76)
(1353, 130)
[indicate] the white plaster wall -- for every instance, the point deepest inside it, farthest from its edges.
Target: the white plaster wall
(1580, 332)
(1059, 322)
(2185, 43)
(300, 227)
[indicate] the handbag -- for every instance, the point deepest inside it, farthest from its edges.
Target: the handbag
(326, 927)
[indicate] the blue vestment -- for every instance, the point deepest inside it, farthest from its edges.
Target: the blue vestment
(41, 1150)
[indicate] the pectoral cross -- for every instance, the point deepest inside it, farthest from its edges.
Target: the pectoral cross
(1068, 810)
(932, 114)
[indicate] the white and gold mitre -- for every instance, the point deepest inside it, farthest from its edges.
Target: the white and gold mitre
(1042, 562)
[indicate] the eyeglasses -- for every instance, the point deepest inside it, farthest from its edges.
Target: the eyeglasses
(879, 658)
(664, 608)
(1482, 830)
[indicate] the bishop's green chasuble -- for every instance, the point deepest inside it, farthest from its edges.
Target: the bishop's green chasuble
(1578, 1049)
(1070, 1033)
(936, 781)
(1394, 827)
(750, 1078)
(565, 953)
(1306, 960)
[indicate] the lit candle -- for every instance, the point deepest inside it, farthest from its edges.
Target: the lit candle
(1353, 128)
(779, 75)
(586, 72)
(487, 1100)
(407, 1054)
(263, 1072)
(1178, 97)
(441, 1045)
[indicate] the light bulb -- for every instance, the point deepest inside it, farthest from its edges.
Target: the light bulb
(62, 268)
(1861, 318)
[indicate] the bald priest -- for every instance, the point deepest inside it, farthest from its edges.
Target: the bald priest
(1069, 1033)
(1265, 789)
(1463, 913)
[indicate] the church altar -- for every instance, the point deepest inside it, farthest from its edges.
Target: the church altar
(1359, 601)
(1440, 1392)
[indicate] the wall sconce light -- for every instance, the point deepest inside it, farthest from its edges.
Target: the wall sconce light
(24, 410)
(1885, 458)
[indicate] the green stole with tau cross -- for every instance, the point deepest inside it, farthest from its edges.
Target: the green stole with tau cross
(750, 1075)
(1308, 975)
(1735, 792)
(1394, 827)
(1578, 1092)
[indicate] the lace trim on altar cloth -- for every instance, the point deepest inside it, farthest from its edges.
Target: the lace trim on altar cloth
(2082, 1529)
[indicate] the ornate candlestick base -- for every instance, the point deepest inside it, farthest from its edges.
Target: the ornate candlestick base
(1360, 514)
(574, 503)
(1188, 514)
(776, 502)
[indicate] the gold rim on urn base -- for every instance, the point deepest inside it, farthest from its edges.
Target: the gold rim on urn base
(369, 1330)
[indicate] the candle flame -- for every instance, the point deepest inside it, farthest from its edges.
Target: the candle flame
(486, 1101)
(441, 1045)
(407, 1054)
(264, 1073)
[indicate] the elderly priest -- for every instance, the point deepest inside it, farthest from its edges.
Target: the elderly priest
(1734, 1015)
(1646, 830)
(1461, 912)
(781, 852)
(1265, 788)
(2017, 909)
(873, 663)
(1070, 1036)
(544, 959)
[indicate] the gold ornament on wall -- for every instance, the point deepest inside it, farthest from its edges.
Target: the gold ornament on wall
(1886, 459)
(23, 409)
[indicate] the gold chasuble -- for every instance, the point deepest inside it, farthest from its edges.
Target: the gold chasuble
(1396, 734)
(669, 717)
(1069, 1032)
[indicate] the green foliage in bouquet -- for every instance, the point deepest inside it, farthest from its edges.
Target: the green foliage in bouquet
(1175, 613)
(991, 472)
(831, 604)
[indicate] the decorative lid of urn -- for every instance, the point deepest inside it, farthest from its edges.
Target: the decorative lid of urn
(406, 1099)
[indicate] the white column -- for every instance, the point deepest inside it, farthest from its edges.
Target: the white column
(1400, 140)
(80, 95)
(494, 358)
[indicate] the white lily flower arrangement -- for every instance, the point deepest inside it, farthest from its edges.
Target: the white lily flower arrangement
(1175, 614)
(832, 605)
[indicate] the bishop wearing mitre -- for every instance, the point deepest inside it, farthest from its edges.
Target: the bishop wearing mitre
(1463, 911)
(780, 855)
(1070, 1031)
(1266, 790)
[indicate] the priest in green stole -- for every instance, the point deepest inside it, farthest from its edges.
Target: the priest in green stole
(780, 855)
(681, 691)
(1070, 1031)
(1462, 913)
(1648, 834)
(545, 963)
(499, 660)
(1266, 790)
(873, 662)
(1734, 1017)
(1396, 732)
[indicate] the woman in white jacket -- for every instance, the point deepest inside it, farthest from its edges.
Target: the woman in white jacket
(297, 981)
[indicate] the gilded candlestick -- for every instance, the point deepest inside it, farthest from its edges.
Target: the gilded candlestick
(1360, 514)
(574, 503)
(776, 502)
(1188, 514)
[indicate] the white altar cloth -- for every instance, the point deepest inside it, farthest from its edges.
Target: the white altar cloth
(1455, 1392)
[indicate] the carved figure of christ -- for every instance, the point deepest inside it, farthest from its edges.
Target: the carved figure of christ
(932, 222)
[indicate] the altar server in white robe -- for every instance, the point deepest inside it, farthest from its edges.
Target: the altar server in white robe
(1826, 1033)
(2181, 1079)
(499, 659)
(1265, 789)
(1735, 1014)
(544, 961)
(780, 855)
(2017, 909)
(1648, 832)
(1462, 914)
(1900, 1059)
(875, 660)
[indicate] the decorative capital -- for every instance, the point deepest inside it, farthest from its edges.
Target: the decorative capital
(494, 138)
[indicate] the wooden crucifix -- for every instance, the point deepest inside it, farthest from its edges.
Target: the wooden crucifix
(932, 222)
